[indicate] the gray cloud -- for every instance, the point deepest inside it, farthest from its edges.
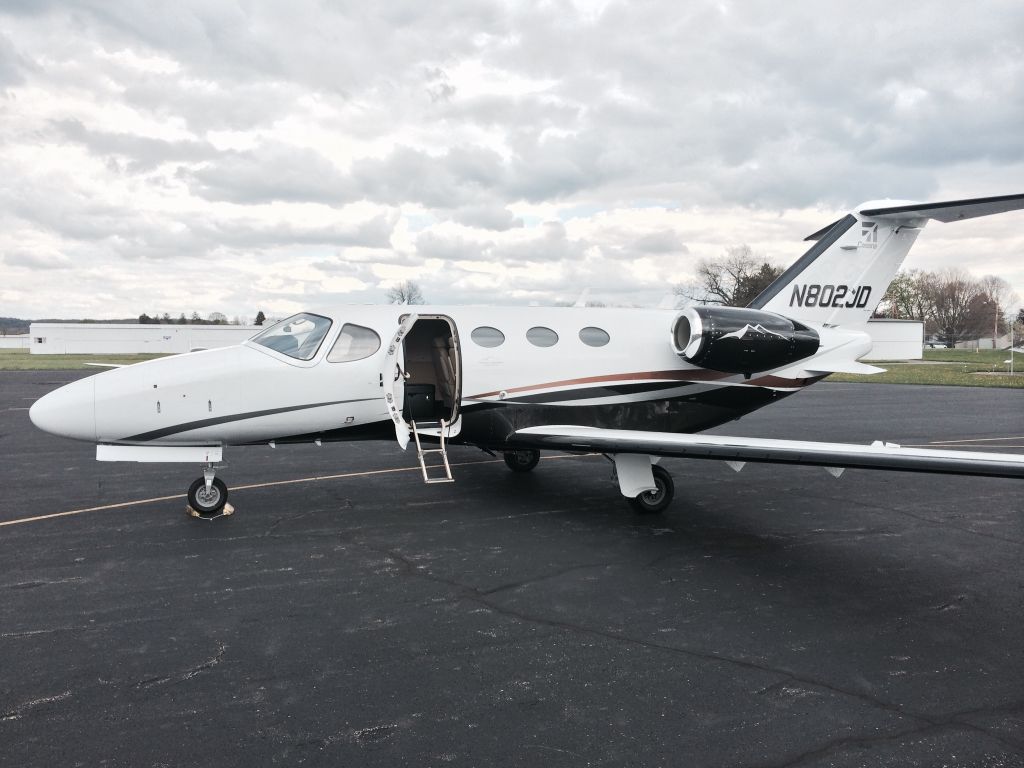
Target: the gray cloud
(141, 132)
(144, 153)
(493, 217)
(272, 172)
(34, 260)
(664, 241)
(11, 64)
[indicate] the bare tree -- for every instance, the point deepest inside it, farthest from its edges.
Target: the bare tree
(406, 292)
(734, 279)
(956, 294)
(910, 296)
(1001, 296)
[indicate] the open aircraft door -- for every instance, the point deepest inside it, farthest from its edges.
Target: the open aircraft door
(392, 380)
(422, 378)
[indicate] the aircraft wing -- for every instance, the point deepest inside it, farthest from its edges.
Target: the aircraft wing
(739, 450)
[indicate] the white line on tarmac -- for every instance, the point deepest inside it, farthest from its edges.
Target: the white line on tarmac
(317, 478)
(976, 440)
(965, 447)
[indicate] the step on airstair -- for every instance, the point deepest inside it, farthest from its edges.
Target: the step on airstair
(421, 453)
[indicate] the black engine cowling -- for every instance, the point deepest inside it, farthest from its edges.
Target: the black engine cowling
(738, 340)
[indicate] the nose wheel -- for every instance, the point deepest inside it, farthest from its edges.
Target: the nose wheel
(207, 495)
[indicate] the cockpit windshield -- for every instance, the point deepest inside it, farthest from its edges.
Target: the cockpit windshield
(298, 336)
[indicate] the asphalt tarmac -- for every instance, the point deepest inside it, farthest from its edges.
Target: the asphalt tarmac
(347, 614)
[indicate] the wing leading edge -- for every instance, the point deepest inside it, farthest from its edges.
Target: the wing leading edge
(748, 449)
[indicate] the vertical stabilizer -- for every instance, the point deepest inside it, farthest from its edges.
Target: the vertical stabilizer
(841, 279)
(844, 275)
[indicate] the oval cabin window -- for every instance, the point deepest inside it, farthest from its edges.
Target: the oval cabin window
(485, 336)
(594, 337)
(542, 337)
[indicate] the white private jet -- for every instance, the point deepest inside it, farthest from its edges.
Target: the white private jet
(633, 384)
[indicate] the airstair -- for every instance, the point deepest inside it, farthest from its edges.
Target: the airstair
(442, 428)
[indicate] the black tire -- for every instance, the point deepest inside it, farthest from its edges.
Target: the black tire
(653, 502)
(522, 461)
(207, 504)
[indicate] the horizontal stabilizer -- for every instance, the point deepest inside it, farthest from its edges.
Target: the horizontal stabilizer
(954, 210)
(842, 366)
(739, 449)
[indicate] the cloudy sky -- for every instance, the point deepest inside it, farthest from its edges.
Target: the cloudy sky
(206, 155)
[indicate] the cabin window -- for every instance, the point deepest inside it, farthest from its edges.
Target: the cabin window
(353, 343)
(594, 337)
(485, 336)
(542, 337)
(298, 336)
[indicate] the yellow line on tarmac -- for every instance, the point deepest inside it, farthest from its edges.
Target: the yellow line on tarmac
(316, 478)
(89, 509)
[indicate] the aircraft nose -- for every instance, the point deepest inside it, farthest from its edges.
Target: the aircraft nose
(69, 411)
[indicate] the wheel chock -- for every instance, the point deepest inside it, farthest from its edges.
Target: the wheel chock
(225, 512)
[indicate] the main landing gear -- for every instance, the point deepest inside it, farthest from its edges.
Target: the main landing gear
(522, 461)
(208, 496)
(647, 485)
(653, 502)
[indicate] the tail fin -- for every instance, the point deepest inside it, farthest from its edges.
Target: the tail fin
(841, 279)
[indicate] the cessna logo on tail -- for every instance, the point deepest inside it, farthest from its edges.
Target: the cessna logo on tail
(868, 234)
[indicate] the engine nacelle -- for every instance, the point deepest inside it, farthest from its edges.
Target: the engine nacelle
(738, 340)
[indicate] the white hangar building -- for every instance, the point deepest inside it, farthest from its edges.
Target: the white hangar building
(896, 340)
(134, 338)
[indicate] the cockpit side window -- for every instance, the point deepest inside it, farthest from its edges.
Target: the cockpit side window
(298, 336)
(354, 343)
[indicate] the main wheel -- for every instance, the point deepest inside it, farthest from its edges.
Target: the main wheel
(651, 502)
(207, 502)
(522, 461)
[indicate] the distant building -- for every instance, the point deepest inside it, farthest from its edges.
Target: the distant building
(14, 341)
(985, 342)
(114, 339)
(896, 339)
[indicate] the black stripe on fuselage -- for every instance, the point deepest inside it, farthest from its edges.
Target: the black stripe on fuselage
(493, 425)
(188, 426)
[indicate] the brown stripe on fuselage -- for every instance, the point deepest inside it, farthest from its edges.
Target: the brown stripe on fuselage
(696, 375)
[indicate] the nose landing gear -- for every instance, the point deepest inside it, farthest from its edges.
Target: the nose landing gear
(208, 496)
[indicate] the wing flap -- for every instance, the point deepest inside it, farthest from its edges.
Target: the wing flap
(748, 449)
